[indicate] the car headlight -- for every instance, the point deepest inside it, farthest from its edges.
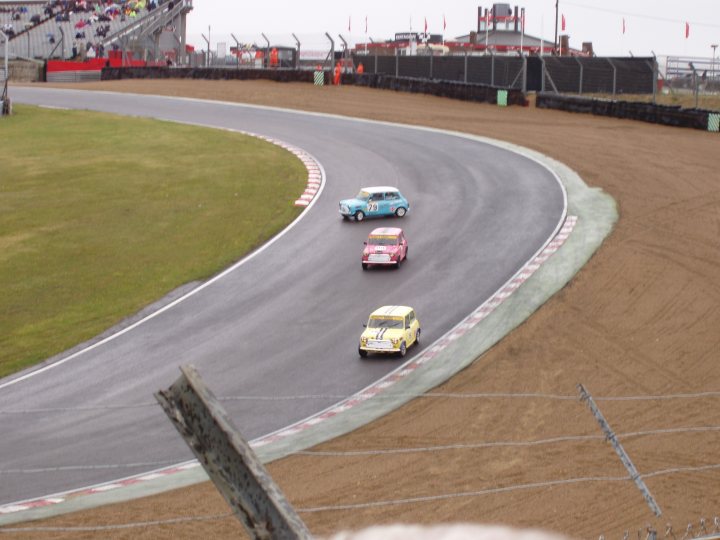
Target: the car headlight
(363, 341)
(395, 340)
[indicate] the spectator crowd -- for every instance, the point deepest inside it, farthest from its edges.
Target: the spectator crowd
(91, 27)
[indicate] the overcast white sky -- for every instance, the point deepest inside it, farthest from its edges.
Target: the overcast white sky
(650, 25)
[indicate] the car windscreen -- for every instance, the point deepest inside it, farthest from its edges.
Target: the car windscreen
(383, 240)
(363, 196)
(382, 322)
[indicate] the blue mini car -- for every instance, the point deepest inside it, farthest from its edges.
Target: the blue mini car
(374, 201)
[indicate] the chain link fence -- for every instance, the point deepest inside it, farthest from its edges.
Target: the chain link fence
(526, 73)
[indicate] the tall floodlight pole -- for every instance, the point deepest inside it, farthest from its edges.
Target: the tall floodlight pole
(557, 8)
(712, 69)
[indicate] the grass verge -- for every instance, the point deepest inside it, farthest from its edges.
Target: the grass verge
(101, 215)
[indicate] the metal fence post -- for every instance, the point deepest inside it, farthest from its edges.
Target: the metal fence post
(581, 75)
(5, 39)
(397, 62)
(614, 76)
(297, 58)
(492, 69)
(266, 58)
(229, 461)
(655, 79)
(695, 83)
(465, 73)
(331, 54)
(344, 49)
(237, 51)
(619, 450)
(431, 65)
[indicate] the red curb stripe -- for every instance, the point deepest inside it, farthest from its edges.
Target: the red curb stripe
(468, 323)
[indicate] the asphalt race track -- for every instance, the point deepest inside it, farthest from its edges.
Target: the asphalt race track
(287, 322)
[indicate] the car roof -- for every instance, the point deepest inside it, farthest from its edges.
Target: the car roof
(397, 311)
(378, 189)
(386, 231)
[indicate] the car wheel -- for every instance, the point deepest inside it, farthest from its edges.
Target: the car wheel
(403, 349)
(345, 218)
(359, 215)
(362, 353)
(406, 252)
(397, 266)
(400, 212)
(365, 266)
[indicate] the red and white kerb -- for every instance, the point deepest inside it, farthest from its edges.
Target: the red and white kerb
(314, 178)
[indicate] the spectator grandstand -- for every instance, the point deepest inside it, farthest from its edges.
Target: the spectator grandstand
(80, 29)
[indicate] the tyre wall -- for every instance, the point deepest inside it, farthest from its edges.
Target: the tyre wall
(436, 87)
(668, 115)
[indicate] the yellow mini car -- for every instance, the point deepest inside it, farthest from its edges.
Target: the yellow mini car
(390, 329)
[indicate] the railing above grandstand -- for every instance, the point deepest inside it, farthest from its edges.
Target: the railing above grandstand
(70, 28)
(145, 26)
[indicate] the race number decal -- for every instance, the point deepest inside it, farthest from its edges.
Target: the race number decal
(372, 207)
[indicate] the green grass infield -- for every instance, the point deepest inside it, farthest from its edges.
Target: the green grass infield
(101, 215)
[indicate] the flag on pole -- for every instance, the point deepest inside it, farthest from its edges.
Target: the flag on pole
(444, 23)
(349, 18)
(366, 24)
(563, 23)
(623, 25)
(687, 30)
(426, 25)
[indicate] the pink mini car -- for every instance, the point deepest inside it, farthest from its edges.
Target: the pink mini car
(385, 246)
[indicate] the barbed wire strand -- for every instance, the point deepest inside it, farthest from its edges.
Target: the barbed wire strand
(445, 496)
(553, 440)
(468, 446)
(381, 395)
(94, 528)
(386, 451)
(569, 438)
(358, 506)
(517, 487)
(478, 395)
(699, 468)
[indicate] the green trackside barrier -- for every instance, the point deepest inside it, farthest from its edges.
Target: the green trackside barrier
(502, 98)
(714, 122)
(319, 78)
